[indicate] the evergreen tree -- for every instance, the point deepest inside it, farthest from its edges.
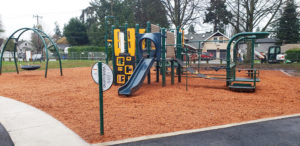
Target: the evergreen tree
(218, 15)
(152, 11)
(57, 33)
(191, 30)
(288, 30)
(130, 11)
(75, 32)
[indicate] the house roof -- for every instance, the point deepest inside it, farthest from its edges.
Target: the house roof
(196, 38)
(62, 46)
(264, 40)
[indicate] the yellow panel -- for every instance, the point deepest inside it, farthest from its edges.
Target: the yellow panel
(128, 69)
(128, 58)
(141, 31)
(116, 42)
(120, 79)
(182, 41)
(120, 68)
(131, 41)
(120, 61)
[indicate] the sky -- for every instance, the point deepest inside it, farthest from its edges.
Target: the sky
(15, 14)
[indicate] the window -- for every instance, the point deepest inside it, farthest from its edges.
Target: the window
(256, 45)
(221, 40)
(216, 40)
(272, 50)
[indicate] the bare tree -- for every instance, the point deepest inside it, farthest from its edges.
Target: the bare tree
(248, 14)
(183, 12)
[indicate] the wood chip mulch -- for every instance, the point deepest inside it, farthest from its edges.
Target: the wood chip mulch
(73, 99)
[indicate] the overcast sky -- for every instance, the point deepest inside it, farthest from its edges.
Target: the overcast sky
(15, 14)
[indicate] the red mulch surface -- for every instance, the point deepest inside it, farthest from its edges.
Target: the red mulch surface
(73, 99)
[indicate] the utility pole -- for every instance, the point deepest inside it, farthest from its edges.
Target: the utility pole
(38, 39)
(37, 20)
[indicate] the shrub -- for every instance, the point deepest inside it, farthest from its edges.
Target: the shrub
(293, 55)
(82, 51)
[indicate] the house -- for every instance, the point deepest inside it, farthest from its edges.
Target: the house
(62, 43)
(24, 46)
(210, 42)
(261, 45)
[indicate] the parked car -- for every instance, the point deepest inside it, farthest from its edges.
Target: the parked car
(207, 56)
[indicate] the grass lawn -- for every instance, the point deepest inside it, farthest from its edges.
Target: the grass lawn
(10, 66)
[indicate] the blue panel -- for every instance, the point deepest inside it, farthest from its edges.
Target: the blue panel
(156, 39)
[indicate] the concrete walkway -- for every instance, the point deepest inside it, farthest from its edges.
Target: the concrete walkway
(28, 126)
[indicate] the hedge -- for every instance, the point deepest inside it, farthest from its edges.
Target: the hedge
(76, 51)
(293, 55)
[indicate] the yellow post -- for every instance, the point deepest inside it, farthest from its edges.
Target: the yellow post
(131, 41)
(117, 42)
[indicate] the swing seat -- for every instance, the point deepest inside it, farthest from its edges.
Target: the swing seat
(30, 67)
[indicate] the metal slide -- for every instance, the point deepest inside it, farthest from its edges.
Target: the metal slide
(137, 78)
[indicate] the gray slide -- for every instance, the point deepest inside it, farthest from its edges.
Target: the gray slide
(137, 78)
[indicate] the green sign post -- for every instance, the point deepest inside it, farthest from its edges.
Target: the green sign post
(103, 76)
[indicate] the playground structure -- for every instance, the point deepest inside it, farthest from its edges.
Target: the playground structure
(132, 77)
(43, 36)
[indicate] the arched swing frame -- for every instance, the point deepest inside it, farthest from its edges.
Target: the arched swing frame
(42, 35)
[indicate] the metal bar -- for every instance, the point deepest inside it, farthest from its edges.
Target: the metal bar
(148, 43)
(172, 72)
(56, 49)
(252, 52)
(163, 56)
(105, 39)
(157, 71)
(100, 98)
(137, 28)
(113, 54)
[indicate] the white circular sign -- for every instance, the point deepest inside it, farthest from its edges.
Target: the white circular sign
(107, 76)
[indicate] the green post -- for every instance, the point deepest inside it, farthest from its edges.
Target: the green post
(186, 66)
(101, 98)
(252, 52)
(137, 28)
(126, 38)
(148, 44)
(199, 59)
(105, 40)
(172, 72)
(113, 54)
(15, 50)
(163, 56)
(179, 51)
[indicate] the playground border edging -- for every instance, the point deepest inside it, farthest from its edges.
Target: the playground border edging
(192, 130)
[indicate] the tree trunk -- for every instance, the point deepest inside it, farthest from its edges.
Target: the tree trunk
(248, 55)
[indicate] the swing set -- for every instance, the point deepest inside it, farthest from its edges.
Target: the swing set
(44, 38)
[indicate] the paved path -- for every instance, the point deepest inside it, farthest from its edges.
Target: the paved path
(29, 126)
(283, 132)
(5, 139)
